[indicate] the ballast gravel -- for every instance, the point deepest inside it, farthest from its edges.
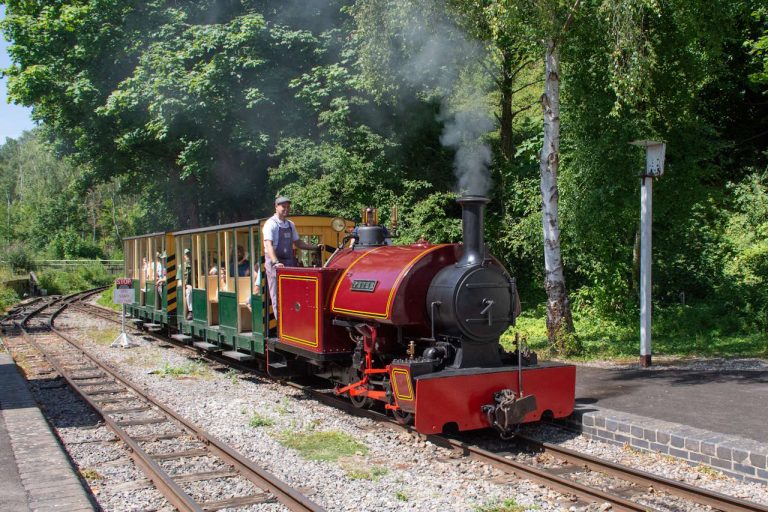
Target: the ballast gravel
(398, 472)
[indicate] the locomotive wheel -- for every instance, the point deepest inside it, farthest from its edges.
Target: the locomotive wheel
(360, 401)
(402, 417)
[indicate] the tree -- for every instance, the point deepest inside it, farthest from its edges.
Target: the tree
(189, 102)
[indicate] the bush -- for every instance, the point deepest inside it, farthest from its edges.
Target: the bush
(68, 244)
(19, 258)
(62, 282)
(8, 298)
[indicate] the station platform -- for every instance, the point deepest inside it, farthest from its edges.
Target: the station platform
(35, 473)
(712, 416)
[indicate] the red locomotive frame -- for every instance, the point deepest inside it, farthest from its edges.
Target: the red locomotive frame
(383, 288)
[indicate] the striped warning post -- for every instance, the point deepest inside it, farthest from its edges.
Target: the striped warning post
(170, 264)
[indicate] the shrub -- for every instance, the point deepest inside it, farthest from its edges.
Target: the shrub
(8, 298)
(68, 244)
(62, 282)
(19, 258)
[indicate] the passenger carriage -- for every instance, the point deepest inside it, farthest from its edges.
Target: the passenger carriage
(146, 262)
(230, 310)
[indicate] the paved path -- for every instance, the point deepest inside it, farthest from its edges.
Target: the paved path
(718, 418)
(35, 473)
(728, 402)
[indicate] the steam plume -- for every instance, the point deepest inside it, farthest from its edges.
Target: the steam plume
(444, 53)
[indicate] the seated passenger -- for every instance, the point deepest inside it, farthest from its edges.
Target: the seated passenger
(243, 265)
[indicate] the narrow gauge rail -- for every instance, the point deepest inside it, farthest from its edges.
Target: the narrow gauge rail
(102, 386)
(619, 498)
(574, 463)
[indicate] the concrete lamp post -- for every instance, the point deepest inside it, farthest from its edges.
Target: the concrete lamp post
(654, 168)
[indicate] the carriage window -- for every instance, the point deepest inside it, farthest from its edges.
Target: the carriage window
(144, 263)
(226, 260)
(198, 261)
(309, 258)
(242, 254)
(256, 273)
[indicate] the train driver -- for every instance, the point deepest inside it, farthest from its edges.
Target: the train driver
(280, 237)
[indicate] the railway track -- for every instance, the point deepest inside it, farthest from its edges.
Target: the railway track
(128, 410)
(586, 478)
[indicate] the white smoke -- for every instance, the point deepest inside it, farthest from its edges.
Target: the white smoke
(444, 54)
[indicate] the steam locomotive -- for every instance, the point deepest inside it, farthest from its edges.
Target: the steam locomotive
(413, 328)
(417, 328)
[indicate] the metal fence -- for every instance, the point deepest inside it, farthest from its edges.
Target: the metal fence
(113, 266)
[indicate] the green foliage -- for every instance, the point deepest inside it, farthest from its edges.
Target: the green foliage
(8, 298)
(759, 46)
(68, 244)
(326, 446)
(745, 258)
(18, 257)
(257, 420)
(708, 330)
(105, 299)
(62, 282)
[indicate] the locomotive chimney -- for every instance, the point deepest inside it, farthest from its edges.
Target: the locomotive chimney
(472, 229)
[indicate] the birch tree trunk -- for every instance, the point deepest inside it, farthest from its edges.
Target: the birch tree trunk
(559, 319)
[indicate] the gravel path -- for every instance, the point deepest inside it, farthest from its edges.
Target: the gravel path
(392, 471)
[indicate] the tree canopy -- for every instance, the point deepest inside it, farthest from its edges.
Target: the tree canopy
(186, 114)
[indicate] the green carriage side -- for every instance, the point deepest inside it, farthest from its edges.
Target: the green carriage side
(147, 260)
(226, 310)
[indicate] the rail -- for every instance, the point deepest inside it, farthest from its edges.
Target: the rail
(268, 483)
(574, 462)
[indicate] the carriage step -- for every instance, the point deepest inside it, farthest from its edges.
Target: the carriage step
(209, 347)
(153, 327)
(277, 365)
(137, 321)
(237, 356)
(182, 338)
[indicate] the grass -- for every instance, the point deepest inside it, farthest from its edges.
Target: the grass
(284, 408)
(232, 375)
(326, 446)
(401, 496)
(374, 473)
(146, 358)
(710, 472)
(104, 336)
(258, 420)
(105, 300)
(508, 505)
(682, 331)
(188, 369)
(91, 474)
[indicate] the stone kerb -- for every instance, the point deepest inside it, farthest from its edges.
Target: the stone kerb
(741, 458)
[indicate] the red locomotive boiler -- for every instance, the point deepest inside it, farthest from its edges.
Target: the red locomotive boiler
(417, 327)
